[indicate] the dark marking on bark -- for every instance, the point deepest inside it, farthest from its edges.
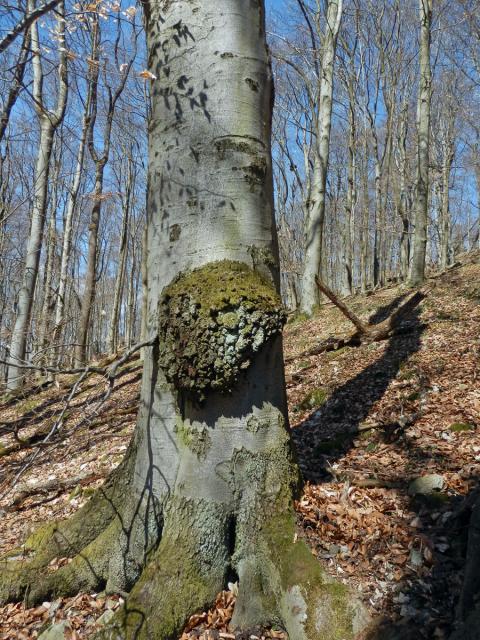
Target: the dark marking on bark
(175, 231)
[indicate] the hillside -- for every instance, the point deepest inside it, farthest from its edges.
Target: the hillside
(367, 422)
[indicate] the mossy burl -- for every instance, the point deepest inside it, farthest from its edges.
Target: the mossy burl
(212, 322)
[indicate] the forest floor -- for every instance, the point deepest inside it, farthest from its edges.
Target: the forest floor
(367, 421)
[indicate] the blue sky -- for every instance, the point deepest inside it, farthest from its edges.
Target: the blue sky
(274, 4)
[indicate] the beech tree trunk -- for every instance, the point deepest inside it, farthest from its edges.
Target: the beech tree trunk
(417, 268)
(403, 205)
(316, 210)
(351, 198)
(205, 493)
(49, 121)
(112, 339)
(365, 220)
(91, 270)
(68, 232)
(448, 153)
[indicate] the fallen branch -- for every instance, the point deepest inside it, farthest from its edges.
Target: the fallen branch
(348, 313)
(55, 486)
(109, 372)
(366, 333)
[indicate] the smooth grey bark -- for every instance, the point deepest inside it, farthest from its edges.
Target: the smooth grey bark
(48, 305)
(131, 313)
(477, 180)
(382, 160)
(364, 232)
(68, 232)
(351, 199)
(316, 212)
(404, 204)
(144, 275)
(112, 339)
(417, 267)
(49, 121)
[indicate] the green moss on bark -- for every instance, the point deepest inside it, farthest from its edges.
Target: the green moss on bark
(196, 439)
(91, 537)
(184, 576)
(212, 321)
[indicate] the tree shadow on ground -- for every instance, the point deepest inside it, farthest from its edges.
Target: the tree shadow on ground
(431, 595)
(332, 427)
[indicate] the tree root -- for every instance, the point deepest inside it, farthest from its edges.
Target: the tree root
(112, 560)
(184, 576)
(113, 545)
(280, 581)
(25, 571)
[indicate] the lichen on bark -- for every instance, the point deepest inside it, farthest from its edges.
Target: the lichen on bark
(212, 321)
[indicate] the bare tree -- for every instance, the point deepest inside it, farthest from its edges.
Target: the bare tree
(316, 211)
(417, 269)
(100, 159)
(49, 120)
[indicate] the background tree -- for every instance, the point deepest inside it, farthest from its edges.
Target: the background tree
(417, 272)
(316, 206)
(49, 119)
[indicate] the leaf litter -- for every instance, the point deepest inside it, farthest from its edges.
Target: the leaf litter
(367, 421)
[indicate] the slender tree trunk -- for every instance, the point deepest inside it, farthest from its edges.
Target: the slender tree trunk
(445, 208)
(316, 213)
(18, 342)
(403, 200)
(48, 306)
(477, 176)
(349, 232)
(131, 311)
(16, 85)
(365, 221)
(112, 339)
(144, 267)
(378, 220)
(48, 123)
(417, 270)
(100, 160)
(210, 472)
(67, 236)
(91, 270)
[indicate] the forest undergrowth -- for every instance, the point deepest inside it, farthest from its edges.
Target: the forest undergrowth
(387, 439)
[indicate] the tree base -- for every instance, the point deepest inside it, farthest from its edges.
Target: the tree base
(177, 560)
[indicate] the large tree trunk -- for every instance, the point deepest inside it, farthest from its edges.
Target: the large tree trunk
(210, 475)
(417, 269)
(316, 211)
